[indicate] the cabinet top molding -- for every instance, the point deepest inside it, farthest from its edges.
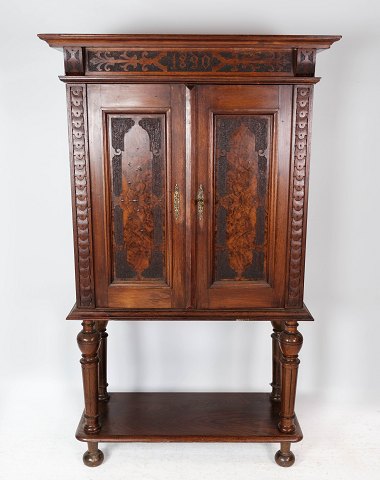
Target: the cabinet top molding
(319, 42)
(204, 58)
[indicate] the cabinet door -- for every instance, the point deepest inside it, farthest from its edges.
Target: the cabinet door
(242, 192)
(137, 152)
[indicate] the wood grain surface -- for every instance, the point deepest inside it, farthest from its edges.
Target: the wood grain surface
(189, 417)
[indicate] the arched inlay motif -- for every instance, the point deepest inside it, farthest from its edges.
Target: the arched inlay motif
(241, 186)
(138, 196)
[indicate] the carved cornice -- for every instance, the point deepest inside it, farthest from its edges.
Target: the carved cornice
(210, 58)
(81, 195)
(129, 41)
(298, 219)
(119, 60)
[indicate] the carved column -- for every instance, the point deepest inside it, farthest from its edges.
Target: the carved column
(290, 345)
(88, 342)
(102, 376)
(276, 361)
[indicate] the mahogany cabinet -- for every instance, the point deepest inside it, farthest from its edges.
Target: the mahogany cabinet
(189, 166)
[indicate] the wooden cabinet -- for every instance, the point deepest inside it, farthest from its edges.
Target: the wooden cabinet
(189, 161)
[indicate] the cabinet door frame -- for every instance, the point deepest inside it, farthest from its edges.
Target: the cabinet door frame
(105, 100)
(275, 100)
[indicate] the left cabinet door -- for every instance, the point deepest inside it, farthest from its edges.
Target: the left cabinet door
(137, 166)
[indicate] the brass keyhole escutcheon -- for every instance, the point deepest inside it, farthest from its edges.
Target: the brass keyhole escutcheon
(176, 201)
(200, 201)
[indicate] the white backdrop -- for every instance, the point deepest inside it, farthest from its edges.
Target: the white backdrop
(38, 348)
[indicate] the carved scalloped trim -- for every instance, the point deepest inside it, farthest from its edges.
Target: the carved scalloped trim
(295, 289)
(81, 196)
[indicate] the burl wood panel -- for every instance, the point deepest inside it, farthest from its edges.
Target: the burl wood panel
(138, 196)
(241, 166)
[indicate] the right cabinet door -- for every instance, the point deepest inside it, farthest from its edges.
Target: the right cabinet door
(242, 195)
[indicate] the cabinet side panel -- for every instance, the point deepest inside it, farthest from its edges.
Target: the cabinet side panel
(80, 181)
(302, 109)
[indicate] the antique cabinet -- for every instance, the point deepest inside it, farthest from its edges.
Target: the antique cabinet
(189, 166)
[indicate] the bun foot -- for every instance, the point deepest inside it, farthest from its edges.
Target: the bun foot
(93, 457)
(284, 457)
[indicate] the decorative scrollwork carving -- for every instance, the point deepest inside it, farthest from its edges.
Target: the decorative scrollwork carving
(297, 228)
(164, 61)
(81, 195)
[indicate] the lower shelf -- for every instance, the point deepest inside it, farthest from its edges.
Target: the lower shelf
(189, 417)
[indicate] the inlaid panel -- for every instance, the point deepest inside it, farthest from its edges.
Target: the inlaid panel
(241, 157)
(137, 154)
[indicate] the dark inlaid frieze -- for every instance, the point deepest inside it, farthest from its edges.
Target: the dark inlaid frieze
(196, 61)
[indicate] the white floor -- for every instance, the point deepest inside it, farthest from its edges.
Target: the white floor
(341, 441)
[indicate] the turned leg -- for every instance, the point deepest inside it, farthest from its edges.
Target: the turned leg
(102, 378)
(276, 361)
(290, 345)
(93, 457)
(88, 342)
(284, 457)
